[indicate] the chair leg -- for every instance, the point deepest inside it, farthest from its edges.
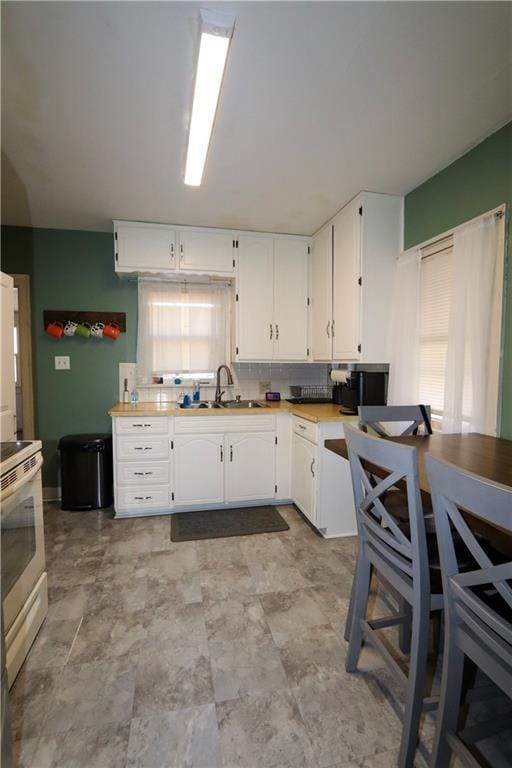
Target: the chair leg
(361, 593)
(404, 630)
(449, 701)
(350, 612)
(415, 687)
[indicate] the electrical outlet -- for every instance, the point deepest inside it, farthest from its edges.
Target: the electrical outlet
(264, 387)
(62, 363)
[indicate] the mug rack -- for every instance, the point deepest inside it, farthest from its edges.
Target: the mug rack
(50, 316)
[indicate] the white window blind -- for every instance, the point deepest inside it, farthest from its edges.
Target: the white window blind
(182, 328)
(435, 288)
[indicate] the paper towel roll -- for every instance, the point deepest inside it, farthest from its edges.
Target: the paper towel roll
(339, 376)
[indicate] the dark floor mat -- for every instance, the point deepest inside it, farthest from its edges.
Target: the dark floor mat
(220, 523)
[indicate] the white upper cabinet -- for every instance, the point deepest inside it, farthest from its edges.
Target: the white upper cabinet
(145, 248)
(255, 298)
(291, 281)
(272, 298)
(166, 249)
(207, 251)
(321, 295)
(345, 329)
(366, 237)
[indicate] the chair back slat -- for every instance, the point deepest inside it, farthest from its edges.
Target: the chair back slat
(455, 492)
(377, 467)
(376, 416)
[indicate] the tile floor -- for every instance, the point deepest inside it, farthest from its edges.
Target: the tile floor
(198, 654)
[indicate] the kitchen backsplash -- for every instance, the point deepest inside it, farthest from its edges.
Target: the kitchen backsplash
(246, 377)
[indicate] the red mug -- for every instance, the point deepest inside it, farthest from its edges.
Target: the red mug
(55, 329)
(112, 330)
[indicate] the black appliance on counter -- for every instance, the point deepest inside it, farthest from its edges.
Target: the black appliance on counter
(361, 388)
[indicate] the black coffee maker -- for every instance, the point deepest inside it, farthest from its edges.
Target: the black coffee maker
(361, 388)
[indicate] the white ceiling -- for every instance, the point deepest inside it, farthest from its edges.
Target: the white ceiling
(319, 101)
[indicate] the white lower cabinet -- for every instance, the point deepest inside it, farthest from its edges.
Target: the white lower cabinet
(251, 466)
(304, 487)
(224, 468)
(321, 482)
(198, 469)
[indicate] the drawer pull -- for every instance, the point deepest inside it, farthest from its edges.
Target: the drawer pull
(148, 448)
(148, 473)
(142, 498)
(139, 473)
(137, 425)
(311, 467)
(301, 426)
(147, 425)
(138, 448)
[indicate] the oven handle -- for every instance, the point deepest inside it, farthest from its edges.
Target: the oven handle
(24, 479)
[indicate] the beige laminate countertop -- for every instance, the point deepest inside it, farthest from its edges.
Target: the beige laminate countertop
(312, 412)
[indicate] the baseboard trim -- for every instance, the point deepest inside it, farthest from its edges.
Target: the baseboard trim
(51, 493)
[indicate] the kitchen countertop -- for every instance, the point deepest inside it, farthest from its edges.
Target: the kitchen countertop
(312, 412)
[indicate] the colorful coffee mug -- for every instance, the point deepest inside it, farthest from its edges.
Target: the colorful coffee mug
(97, 330)
(84, 329)
(55, 329)
(70, 328)
(112, 330)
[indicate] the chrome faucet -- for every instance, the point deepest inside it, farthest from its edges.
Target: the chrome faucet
(229, 381)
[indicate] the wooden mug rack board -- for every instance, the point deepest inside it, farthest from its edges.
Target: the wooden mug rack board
(62, 315)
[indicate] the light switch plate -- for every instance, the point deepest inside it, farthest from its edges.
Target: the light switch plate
(62, 363)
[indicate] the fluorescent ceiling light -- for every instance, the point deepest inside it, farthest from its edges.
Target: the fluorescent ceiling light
(216, 31)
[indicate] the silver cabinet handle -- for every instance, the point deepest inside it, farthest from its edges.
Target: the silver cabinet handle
(277, 332)
(327, 329)
(221, 453)
(333, 329)
(171, 251)
(311, 467)
(148, 448)
(139, 473)
(181, 251)
(137, 425)
(301, 426)
(270, 331)
(231, 453)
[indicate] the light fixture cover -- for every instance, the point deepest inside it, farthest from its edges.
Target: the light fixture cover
(216, 31)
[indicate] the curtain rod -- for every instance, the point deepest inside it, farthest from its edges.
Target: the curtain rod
(499, 212)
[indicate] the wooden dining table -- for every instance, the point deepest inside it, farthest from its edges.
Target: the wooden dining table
(489, 457)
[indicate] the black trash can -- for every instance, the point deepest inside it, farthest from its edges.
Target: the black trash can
(86, 471)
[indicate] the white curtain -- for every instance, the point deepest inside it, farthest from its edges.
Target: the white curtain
(182, 327)
(404, 330)
(468, 363)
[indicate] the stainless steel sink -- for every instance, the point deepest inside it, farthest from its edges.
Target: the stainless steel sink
(243, 404)
(203, 404)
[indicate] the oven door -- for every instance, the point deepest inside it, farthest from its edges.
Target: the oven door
(22, 541)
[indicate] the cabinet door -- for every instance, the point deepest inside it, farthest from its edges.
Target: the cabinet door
(250, 466)
(346, 289)
(145, 248)
(206, 251)
(304, 476)
(291, 280)
(199, 469)
(321, 295)
(7, 386)
(254, 308)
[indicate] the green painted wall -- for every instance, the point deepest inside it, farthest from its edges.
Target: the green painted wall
(71, 270)
(473, 184)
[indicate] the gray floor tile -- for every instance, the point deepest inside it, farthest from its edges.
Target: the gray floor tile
(225, 581)
(293, 615)
(264, 731)
(93, 694)
(30, 698)
(314, 658)
(109, 635)
(53, 644)
(185, 738)
(168, 682)
(102, 747)
(240, 668)
(238, 619)
(68, 603)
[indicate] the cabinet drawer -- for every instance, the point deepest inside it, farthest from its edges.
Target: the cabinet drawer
(156, 425)
(142, 448)
(143, 474)
(146, 496)
(306, 429)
